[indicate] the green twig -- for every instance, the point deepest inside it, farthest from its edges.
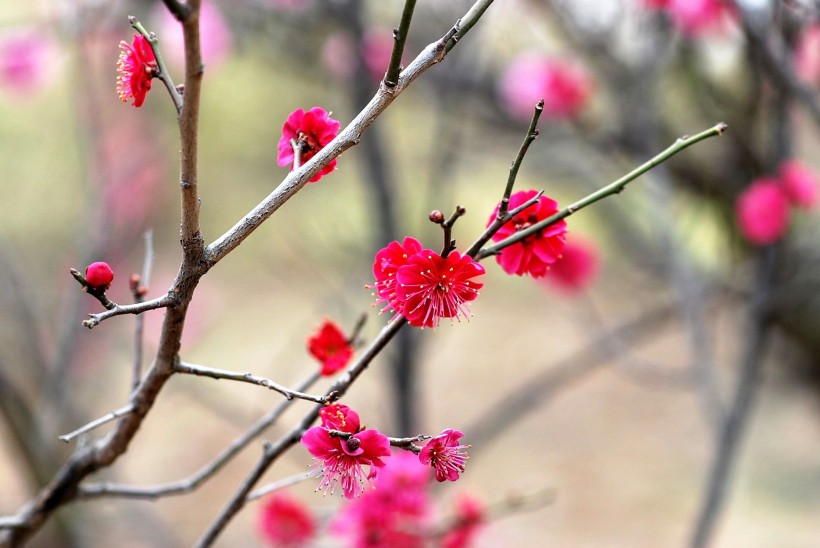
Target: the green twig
(612, 188)
(162, 69)
(391, 78)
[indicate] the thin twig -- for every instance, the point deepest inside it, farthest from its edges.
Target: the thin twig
(447, 225)
(162, 69)
(139, 287)
(191, 483)
(113, 415)
(532, 135)
(281, 484)
(409, 443)
(391, 77)
(613, 188)
(202, 371)
(164, 301)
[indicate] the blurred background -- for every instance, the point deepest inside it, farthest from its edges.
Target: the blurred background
(663, 381)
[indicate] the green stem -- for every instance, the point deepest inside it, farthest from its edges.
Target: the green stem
(612, 188)
(532, 134)
(162, 68)
(391, 78)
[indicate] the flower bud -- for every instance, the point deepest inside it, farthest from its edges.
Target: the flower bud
(99, 276)
(436, 216)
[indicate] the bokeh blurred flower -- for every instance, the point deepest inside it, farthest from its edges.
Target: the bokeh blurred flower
(25, 61)
(445, 454)
(311, 131)
(136, 67)
(807, 55)
(386, 265)
(394, 514)
(762, 211)
(575, 268)
(339, 53)
(564, 85)
(799, 183)
(430, 287)
(214, 35)
(331, 347)
(469, 519)
(695, 17)
(99, 275)
(343, 458)
(284, 521)
(535, 254)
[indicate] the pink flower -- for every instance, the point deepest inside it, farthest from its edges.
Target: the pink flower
(762, 211)
(564, 85)
(136, 67)
(99, 276)
(343, 458)
(535, 254)
(430, 287)
(311, 131)
(695, 17)
(799, 183)
(470, 516)
(24, 60)
(807, 55)
(330, 347)
(445, 454)
(215, 35)
(394, 514)
(386, 265)
(575, 268)
(284, 521)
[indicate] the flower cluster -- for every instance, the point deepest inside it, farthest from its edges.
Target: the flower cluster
(330, 346)
(565, 86)
(422, 285)
(284, 521)
(136, 67)
(536, 253)
(309, 132)
(343, 457)
(763, 209)
(694, 17)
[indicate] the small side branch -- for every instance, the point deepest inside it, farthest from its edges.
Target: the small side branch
(162, 69)
(409, 443)
(613, 188)
(202, 371)
(165, 301)
(113, 415)
(532, 134)
(391, 78)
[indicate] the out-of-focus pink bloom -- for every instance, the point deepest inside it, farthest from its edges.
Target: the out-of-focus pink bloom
(469, 519)
(762, 211)
(394, 514)
(99, 275)
(799, 183)
(24, 61)
(339, 53)
(311, 131)
(575, 268)
(535, 254)
(284, 521)
(136, 68)
(695, 17)
(564, 85)
(445, 454)
(214, 35)
(330, 346)
(343, 458)
(386, 265)
(430, 287)
(807, 55)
